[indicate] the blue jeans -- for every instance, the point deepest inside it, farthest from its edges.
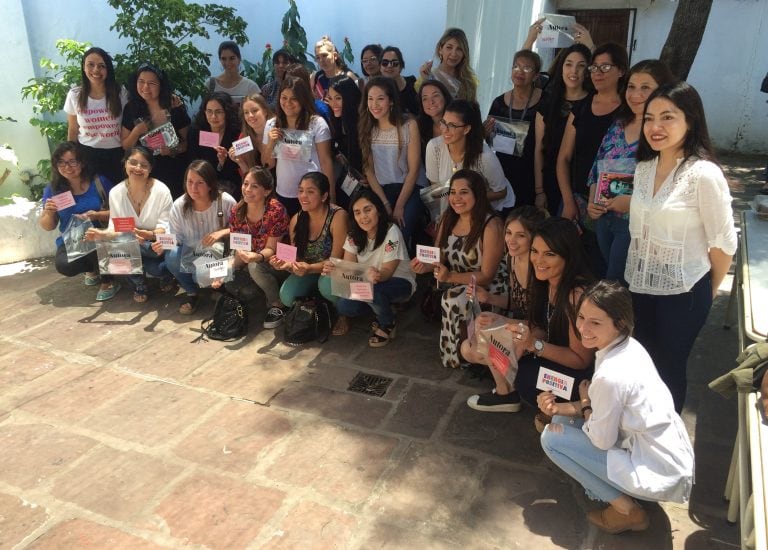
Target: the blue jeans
(573, 452)
(172, 264)
(667, 327)
(385, 294)
(411, 212)
(613, 239)
(152, 265)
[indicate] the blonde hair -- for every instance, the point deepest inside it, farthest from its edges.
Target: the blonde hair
(466, 76)
(250, 157)
(325, 40)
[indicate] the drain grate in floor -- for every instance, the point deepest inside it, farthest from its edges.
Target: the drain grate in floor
(369, 384)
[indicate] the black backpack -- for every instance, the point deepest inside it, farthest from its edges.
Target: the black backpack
(229, 321)
(308, 319)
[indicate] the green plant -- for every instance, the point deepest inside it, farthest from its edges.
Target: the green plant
(50, 90)
(35, 182)
(294, 36)
(161, 32)
(346, 53)
(261, 72)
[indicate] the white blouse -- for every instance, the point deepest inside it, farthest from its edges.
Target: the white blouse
(154, 213)
(672, 232)
(440, 168)
(634, 419)
(193, 225)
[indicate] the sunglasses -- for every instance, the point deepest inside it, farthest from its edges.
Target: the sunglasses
(388, 62)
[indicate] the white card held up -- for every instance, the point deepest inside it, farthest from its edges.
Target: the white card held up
(167, 240)
(240, 241)
(242, 145)
(427, 254)
(559, 384)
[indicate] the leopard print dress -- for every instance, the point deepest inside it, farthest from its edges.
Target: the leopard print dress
(454, 303)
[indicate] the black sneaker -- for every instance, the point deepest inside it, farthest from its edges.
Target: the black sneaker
(493, 402)
(275, 317)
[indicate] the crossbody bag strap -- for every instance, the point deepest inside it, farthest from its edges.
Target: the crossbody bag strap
(220, 211)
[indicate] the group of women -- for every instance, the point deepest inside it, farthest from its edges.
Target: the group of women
(606, 174)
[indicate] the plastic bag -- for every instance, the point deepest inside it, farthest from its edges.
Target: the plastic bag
(349, 280)
(294, 145)
(510, 135)
(497, 344)
(190, 252)
(435, 198)
(120, 257)
(208, 270)
(74, 238)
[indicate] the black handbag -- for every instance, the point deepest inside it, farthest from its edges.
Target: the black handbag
(430, 306)
(309, 319)
(229, 321)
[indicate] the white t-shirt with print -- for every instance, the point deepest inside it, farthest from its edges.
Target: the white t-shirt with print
(392, 248)
(97, 127)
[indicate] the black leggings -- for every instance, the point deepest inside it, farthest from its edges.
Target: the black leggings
(84, 264)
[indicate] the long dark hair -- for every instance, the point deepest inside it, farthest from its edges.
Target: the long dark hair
(264, 179)
(657, 70)
(469, 112)
(344, 128)
(423, 119)
(562, 238)
(556, 105)
(687, 99)
(301, 229)
(59, 183)
(367, 123)
(530, 217)
(356, 233)
(479, 185)
(377, 51)
(165, 88)
(205, 170)
(613, 299)
(303, 94)
(231, 119)
(110, 84)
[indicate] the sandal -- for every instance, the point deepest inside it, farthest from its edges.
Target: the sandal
(108, 293)
(91, 279)
(189, 305)
(541, 420)
(167, 284)
(380, 336)
(140, 294)
(341, 327)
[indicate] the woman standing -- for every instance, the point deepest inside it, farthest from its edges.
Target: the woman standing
(196, 217)
(392, 64)
(454, 71)
(391, 156)
(231, 81)
(260, 215)
(616, 156)
(318, 232)
(72, 173)
(344, 99)
(378, 244)
(217, 114)
(681, 229)
(462, 145)
(94, 112)
(150, 106)
(549, 338)
(304, 138)
(630, 444)
(566, 90)
(255, 114)
(148, 201)
(470, 242)
(270, 91)
(369, 63)
(518, 108)
(331, 64)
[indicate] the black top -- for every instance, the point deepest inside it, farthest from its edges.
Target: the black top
(409, 99)
(519, 170)
(229, 175)
(590, 130)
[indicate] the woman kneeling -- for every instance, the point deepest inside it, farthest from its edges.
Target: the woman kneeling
(631, 443)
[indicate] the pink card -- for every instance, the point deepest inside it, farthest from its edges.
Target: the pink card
(120, 266)
(361, 291)
(63, 200)
(209, 139)
(124, 225)
(286, 252)
(155, 141)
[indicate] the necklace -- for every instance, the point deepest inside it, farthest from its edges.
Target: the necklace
(550, 310)
(138, 203)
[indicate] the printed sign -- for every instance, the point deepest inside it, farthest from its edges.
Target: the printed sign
(286, 252)
(167, 240)
(559, 384)
(242, 145)
(346, 274)
(240, 241)
(501, 350)
(63, 200)
(209, 139)
(218, 269)
(612, 184)
(557, 32)
(427, 254)
(124, 225)
(361, 291)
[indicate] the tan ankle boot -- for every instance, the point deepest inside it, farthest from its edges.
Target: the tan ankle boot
(614, 522)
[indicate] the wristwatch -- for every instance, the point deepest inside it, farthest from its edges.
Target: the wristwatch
(538, 347)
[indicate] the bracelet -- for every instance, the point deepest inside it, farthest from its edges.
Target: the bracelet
(584, 410)
(539, 193)
(263, 258)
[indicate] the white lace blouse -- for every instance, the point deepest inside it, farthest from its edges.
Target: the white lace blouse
(672, 232)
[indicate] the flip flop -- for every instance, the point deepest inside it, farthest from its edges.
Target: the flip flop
(188, 305)
(107, 293)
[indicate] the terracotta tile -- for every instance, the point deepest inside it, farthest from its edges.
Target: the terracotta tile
(82, 534)
(312, 525)
(18, 519)
(218, 512)
(117, 484)
(233, 438)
